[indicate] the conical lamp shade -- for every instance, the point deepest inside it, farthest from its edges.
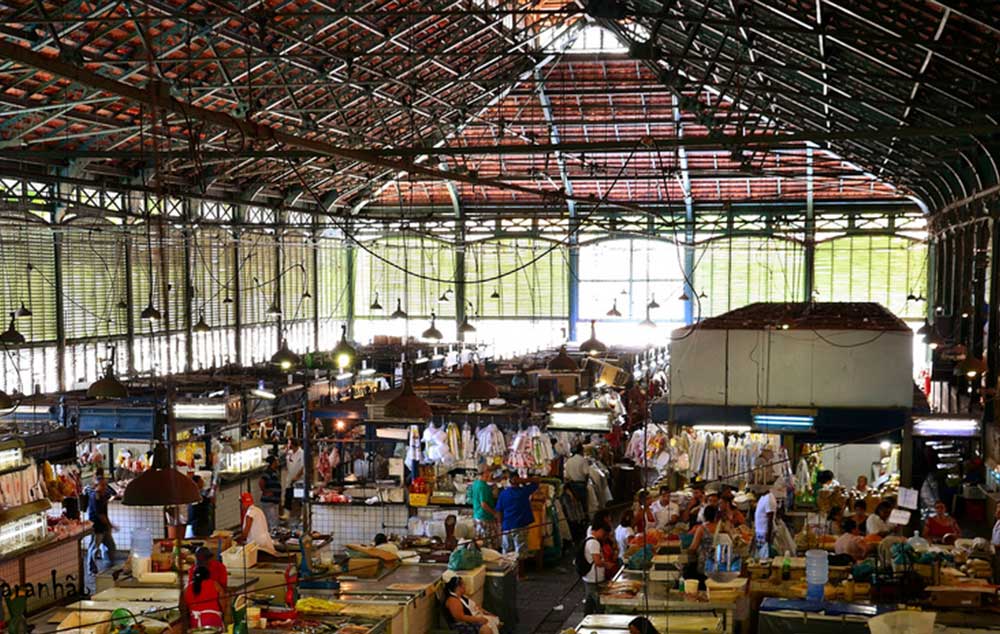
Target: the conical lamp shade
(6, 402)
(432, 332)
(465, 327)
(478, 388)
(652, 302)
(11, 336)
(149, 313)
(925, 330)
(375, 305)
(202, 325)
(408, 405)
(614, 310)
(399, 313)
(23, 311)
(933, 339)
(108, 386)
(161, 487)
(495, 294)
(562, 362)
(593, 345)
(274, 310)
(284, 358)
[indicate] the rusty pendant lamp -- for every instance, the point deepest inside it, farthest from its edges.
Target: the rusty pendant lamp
(593, 345)
(971, 367)
(478, 388)
(161, 485)
(933, 339)
(614, 310)
(408, 405)
(433, 332)
(562, 362)
(925, 330)
(647, 322)
(11, 337)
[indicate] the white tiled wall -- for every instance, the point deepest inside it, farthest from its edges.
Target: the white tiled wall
(227, 504)
(63, 560)
(358, 524)
(128, 518)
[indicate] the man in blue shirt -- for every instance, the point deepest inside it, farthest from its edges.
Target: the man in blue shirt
(514, 507)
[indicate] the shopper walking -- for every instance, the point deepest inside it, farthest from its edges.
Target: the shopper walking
(295, 469)
(270, 490)
(97, 513)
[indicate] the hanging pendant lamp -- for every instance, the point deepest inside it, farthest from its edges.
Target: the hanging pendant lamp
(202, 325)
(495, 294)
(6, 402)
(477, 388)
(970, 367)
(108, 386)
(432, 332)
(408, 405)
(647, 322)
(684, 296)
(925, 329)
(284, 358)
(344, 353)
(614, 310)
(11, 337)
(933, 339)
(121, 305)
(465, 327)
(562, 362)
(274, 310)
(22, 311)
(444, 296)
(161, 485)
(149, 313)
(652, 301)
(593, 346)
(375, 305)
(227, 300)
(399, 313)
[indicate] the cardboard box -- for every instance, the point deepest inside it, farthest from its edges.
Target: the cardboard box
(363, 567)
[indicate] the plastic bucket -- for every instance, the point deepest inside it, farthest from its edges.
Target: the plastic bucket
(141, 542)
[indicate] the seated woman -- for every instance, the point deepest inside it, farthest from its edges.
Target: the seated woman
(833, 520)
(940, 525)
(462, 613)
(203, 600)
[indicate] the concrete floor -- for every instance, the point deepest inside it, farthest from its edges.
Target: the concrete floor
(551, 600)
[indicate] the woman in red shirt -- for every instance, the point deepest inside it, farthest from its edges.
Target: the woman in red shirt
(203, 600)
(940, 524)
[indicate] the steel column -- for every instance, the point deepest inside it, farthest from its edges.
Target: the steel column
(349, 307)
(315, 284)
(689, 219)
(188, 290)
(129, 306)
(993, 321)
(809, 261)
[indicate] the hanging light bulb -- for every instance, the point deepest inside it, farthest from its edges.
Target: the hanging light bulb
(653, 304)
(967, 310)
(399, 313)
(149, 313)
(432, 332)
(495, 294)
(593, 346)
(22, 311)
(11, 337)
(375, 305)
(202, 325)
(284, 358)
(614, 310)
(344, 353)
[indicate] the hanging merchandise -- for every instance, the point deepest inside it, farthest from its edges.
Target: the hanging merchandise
(743, 458)
(454, 437)
(414, 450)
(490, 443)
(436, 446)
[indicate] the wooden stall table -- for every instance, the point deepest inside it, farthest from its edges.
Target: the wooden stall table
(673, 623)
(656, 597)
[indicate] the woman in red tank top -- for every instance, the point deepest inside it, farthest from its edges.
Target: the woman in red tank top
(203, 599)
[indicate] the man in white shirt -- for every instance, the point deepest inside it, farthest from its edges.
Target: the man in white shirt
(878, 522)
(665, 511)
(599, 568)
(576, 471)
(294, 468)
(254, 528)
(764, 517)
